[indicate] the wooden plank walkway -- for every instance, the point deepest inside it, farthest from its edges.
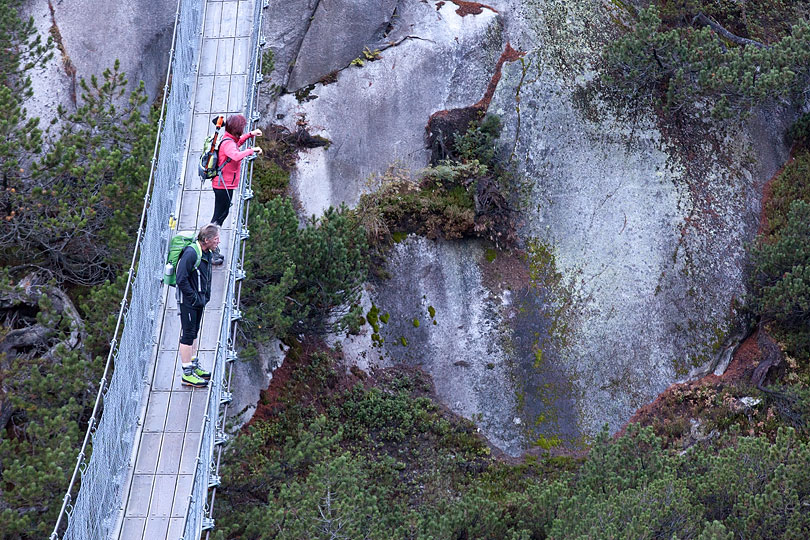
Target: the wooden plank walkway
(159, 480)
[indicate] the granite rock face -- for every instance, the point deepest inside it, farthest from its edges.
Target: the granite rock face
(648, 228)
(444, 321)
(375, 115)
(92, 35)
(339, 32)
(285, 26)
(651, 228)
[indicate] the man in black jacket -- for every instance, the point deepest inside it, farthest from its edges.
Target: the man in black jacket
(193, 292)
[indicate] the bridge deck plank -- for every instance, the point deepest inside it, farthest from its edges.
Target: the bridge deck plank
(133, 528)
(161, 478)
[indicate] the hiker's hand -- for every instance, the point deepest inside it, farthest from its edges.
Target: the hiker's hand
(258, 150)
(197, 301)
(256, 133)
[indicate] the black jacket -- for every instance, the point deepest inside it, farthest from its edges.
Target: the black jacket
(193, 286)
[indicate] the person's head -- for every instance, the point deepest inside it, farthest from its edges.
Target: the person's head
(208, 237)
(235, 125)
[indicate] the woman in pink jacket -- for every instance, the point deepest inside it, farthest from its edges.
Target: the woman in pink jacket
(230, 162)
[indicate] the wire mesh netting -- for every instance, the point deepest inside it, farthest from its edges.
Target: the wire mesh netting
(94, 512)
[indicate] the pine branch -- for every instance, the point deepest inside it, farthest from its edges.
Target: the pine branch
(703, 20)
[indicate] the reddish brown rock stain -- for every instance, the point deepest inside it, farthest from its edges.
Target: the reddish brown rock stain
(470, 8)
(509, 54)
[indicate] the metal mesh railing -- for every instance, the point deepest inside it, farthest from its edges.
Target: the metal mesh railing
(199, 510)
(94, 512)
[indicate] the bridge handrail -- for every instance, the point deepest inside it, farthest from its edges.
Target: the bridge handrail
(213, 431)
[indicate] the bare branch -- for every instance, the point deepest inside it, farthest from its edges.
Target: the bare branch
(703, 20)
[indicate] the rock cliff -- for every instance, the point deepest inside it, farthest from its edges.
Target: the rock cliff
(648, 225)
(89, 36)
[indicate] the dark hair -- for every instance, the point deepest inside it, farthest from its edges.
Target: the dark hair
(235, 125)
(207, 233)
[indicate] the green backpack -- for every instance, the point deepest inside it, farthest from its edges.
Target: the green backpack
(177, 244)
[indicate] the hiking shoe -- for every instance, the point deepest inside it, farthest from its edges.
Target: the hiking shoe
(217, 259)
(190, 379)
(198, 371)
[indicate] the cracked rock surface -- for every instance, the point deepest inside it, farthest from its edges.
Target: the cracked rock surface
(375, 115)
(285, 26)
(651, 227)
(96, 33)
(464, 352)
(651, 243)
(337, 34)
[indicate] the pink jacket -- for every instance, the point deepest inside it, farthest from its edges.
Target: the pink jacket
(229, 148)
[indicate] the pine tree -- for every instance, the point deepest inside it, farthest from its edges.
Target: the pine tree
(758, 489)
(302, 279)
(715, 531)
(23, 51)
(694, 64)
(781, 278)
(50, 392)
(628, 488)
(68, 216)
(75, 215)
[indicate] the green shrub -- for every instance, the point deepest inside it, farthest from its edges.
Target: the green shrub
(479, 141)
(756, 488)
(75, 216)
(367, 449)
(68, 215)
(792, 184)
(685, 64)
(269, 179)
(50, 393)
(302, 280)
(271, 170)
(417, 481)
(763, 20)
(781, 279)
(800, 130)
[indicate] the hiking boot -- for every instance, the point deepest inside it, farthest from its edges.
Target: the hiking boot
(190, 379)
(198, 371)
(217, 258)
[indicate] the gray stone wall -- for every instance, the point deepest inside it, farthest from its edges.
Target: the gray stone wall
(93, 34)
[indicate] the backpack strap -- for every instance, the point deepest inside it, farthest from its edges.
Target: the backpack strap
(227, 159)
(197, 249)
(219, 172)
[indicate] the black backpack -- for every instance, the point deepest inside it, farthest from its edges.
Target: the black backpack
(209, 160)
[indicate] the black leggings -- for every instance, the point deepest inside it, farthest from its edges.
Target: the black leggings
(222, 205)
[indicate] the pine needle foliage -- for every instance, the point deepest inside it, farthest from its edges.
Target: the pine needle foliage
(781, 279)
(684, 64)
(23, 51)
(376, 458)
(75, 215)
(67, 216)
(49, 394)
(780, 258)
(302, 279)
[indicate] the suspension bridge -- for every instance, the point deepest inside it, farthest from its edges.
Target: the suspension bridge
(148, 467)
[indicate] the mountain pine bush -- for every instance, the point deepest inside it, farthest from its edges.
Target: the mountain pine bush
(301, 280)
(781, 279)
(685, 64)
